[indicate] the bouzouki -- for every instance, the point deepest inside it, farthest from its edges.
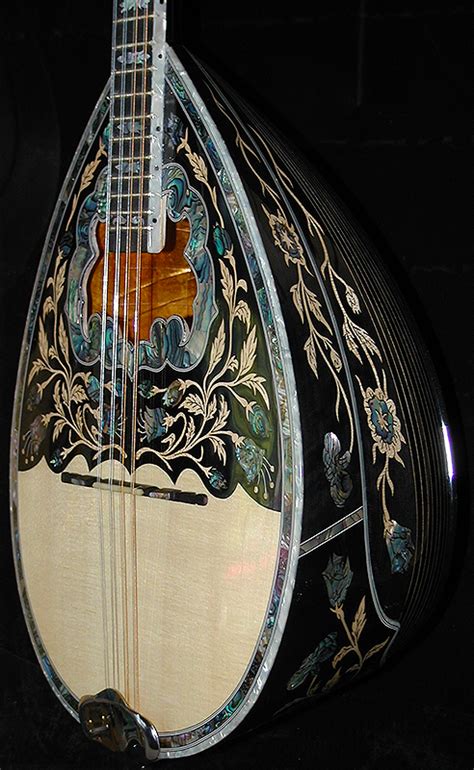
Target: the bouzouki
(232, 482)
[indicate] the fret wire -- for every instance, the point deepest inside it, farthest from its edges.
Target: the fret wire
(140, 116)
(123, 228)
(126, 212)
(122, 217)
(119, 72)
(131, 176)
(133, 195)
(118, 139)
(115, 178)
(131, 94)
(133, 18)
(131, 158)
(131, 45)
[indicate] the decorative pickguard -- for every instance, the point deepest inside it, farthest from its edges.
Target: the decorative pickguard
(171, 341)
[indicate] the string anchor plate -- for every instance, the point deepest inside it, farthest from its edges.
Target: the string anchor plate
(108, 719)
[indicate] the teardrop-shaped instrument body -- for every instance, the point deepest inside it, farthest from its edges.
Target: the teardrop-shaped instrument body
(242, 498)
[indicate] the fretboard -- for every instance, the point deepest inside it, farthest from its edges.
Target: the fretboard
(136, 117)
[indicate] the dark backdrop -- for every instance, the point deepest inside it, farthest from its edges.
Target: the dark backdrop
(376, 95)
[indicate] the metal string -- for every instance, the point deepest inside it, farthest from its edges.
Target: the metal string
(114, 663)
(136, 344)
(102, 411)
(115, 363)
(132, 427)
(131, 162)
(128, 164)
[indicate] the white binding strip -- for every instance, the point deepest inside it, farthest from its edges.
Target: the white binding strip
(340, 526)
(295, 428)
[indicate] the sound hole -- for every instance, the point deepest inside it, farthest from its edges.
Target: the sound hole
(167, 283)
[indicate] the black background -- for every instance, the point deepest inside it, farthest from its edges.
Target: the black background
(377, 96)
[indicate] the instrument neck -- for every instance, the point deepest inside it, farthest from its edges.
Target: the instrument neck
(136, 125)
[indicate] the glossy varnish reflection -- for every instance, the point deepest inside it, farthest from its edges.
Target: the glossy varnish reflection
(167, 285)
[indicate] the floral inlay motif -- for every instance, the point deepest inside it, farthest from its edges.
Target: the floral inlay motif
(204, 409)
(335, 469)
(311, 665)
(76, 414)
(385, 429)
(320, 344)
(384, 424)
(132, 5)
(337, 578)
(133, 57)
(400, 545)
(285, 238)
(192, 419)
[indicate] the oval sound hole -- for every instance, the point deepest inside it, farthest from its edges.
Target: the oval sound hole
(167, 283)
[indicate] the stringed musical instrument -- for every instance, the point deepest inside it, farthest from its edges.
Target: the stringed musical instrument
(232, 482)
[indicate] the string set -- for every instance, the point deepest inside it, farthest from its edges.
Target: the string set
(117, 506)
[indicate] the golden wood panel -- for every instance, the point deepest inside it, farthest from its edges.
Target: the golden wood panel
(167, 285)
